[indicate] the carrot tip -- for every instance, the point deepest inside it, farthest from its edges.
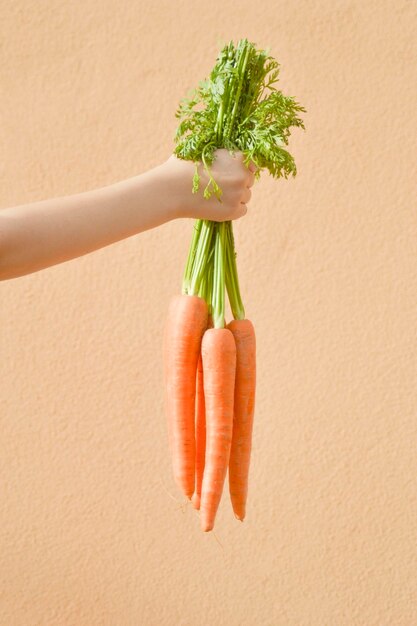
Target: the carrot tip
(206, 524)
(239, 517)
(196, 501)
(206, 527)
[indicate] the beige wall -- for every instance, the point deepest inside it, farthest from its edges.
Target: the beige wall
(91, 528)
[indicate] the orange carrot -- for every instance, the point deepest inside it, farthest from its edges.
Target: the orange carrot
(244, 404)
(218, 351)
(200, 436)
(200, 430)
(186, 322)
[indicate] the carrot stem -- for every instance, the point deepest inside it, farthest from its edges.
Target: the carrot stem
(210, 274)
(241, 73)
(232, 281)
(201, 255)
(206, 288)
(219, 276)
(191, 256)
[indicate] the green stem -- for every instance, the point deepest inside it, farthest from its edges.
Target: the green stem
(212, 182)
(241, 74)
(210, 274)
(219, 278)
(200, 259)
(219, 122)
(233, 82)
(202, 291)
(191, 256)
(232, 281)
(205, 283)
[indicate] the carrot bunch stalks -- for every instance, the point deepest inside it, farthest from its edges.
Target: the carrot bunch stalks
(210, 369)
(210, 377)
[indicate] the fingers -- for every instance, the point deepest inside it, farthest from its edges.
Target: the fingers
(238, 211)
(246, 196)
(252, 167)
(239, 177)
(250, 180)
(248, 170)
(237, 154)
(241, 211)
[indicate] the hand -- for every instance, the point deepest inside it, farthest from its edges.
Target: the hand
(231, 174)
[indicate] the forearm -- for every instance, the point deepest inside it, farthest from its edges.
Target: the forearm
(41, 234)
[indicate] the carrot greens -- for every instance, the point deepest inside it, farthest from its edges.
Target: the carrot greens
(210, 366)
(238, 107)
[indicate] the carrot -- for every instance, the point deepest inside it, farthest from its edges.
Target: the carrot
(219, 366)
(186, 322)
(200, 430)
(244, 404)
(200, 436)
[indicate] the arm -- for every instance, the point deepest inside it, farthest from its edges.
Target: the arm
(38, 235)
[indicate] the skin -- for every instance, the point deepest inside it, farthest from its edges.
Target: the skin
(38, 235)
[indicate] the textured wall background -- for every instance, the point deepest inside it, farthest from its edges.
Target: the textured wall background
(89, 533)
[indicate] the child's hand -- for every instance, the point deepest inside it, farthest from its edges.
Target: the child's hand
(229, 172)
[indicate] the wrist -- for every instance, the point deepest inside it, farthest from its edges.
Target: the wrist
(177, 175)
(167, 190)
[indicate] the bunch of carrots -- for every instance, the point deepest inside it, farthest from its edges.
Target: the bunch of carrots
(210, 366)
